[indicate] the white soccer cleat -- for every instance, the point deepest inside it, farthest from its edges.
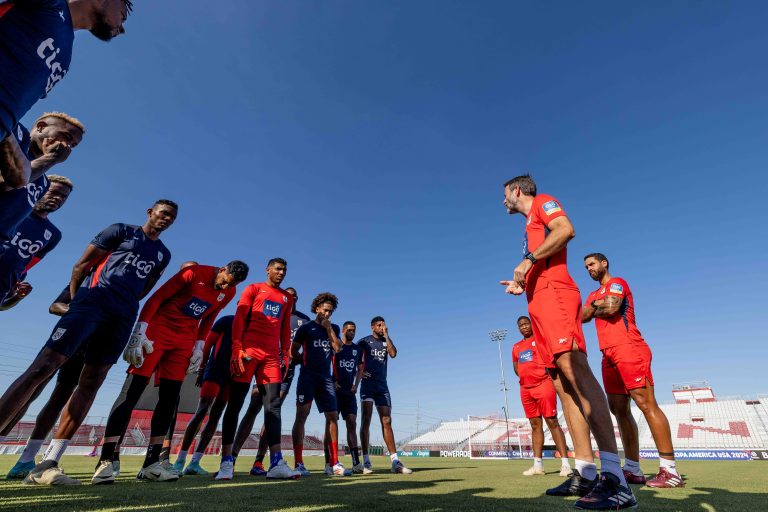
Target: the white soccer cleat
(367, 468)
(226, 470)
(358, 468)
(565, 470)
(157, 473)
(533, 470)
(104, 473)
(48, 472)
(282, 471)
(170, 467)
(339, 470)
(399, 468)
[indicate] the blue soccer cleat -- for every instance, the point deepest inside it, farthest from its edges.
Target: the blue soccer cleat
(194, 468)
(20, 470)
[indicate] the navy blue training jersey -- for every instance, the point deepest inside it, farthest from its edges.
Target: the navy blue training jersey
(35, 51)
(316, 347)
(132, 259)
(345, 364)
(16, 204)
(297, 320)
(375, 357)
(35, 237)
(217, 367)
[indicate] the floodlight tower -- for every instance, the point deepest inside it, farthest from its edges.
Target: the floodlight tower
(498, 336)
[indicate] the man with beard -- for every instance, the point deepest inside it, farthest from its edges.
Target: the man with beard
(627, 372)
(118, 268)
(36, 237)
(347, 373)
(35, 52)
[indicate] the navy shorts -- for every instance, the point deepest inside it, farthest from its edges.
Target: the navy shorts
(99, 331)
(69, 373)
(376, 392)
(319, 388)
(285, 386)
(347, 404)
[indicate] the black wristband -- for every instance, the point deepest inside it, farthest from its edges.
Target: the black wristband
(529, 256)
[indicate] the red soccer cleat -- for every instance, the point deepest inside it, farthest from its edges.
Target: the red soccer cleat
(633, 478)
(665, 480)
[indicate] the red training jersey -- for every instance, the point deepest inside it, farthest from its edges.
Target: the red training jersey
(553, 270)
(621, 327)
(530, 369)
(184, 308)
(262, 325)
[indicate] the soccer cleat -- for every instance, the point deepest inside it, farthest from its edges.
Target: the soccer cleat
(166, 465)
(534, 470)
(632, 478)
(339, 470)
(367, 468)
(328, 469)
(397, 467)
(608, 494)
(178, 466)
(281, 470)
(158, 472)
(48, 472)
(665, 480)
(226, 470)
(300, 469)
(194, 468)
(116, 468)
(565, 471)
(104, 473)
(20, 470)
(258, 469)
(358, 468)
(576, 485)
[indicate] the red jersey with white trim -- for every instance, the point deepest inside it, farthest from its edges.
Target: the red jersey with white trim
(553, 270)
(621, 327)
(530, 369)
(262, 325)
(184, 308)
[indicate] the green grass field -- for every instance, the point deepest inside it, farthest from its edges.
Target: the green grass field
(436, 485)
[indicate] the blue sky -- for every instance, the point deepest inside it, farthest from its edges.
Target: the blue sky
(367, 143)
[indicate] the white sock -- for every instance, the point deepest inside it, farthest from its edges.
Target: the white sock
(669, 465)
(537, 463)
(632, 466)
(586, 469)
(56, 449)
(366, 459)
(393, 457)
(182, 455)
(33, 446)
(565, 464)
(611, 463)
(197, 456)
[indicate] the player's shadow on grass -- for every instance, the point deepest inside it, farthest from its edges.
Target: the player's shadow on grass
(702, 499)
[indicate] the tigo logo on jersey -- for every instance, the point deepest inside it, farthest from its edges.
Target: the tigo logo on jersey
(378, 354)
(47, 51)
(34, 193)
(551, 207)
(143, 268)
(347, 364)
(526, 356)
(272, 309)
(195, 307)
(617, 288)
(27, 248)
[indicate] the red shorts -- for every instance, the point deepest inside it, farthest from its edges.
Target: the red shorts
(540, 400)
(266, 368)
(626, 367)
(556, 320)
(214, 390)
(169, 362)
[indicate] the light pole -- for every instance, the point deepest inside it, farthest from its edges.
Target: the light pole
(498, 336)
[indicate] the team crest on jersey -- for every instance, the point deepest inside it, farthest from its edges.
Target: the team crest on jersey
(285, 299)
(551, 207)
(602, 291)
(47, 235)
(19, 133)
(221, 297)
(159, 256)
(354, 352)
(617, 288)
(58, 333)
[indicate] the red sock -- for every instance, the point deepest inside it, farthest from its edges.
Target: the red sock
(297, 455)
(334, 454)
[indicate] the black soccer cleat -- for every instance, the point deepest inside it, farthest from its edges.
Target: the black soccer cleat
(576, 485)
(608, 494)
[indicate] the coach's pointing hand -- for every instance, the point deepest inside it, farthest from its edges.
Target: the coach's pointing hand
(512, 287)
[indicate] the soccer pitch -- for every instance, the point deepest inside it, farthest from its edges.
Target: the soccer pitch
(437, 484)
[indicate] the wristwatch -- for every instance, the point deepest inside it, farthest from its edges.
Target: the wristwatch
(593, 304)
(529, 256)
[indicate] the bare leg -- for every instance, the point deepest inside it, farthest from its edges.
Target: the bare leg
(365, 426)
(619, 405)
(574, 419)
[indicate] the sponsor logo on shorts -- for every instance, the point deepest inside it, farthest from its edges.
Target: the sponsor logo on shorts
(562, 341)
(617, 288)
(58, 333)
(272, 309)
(551, 207)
